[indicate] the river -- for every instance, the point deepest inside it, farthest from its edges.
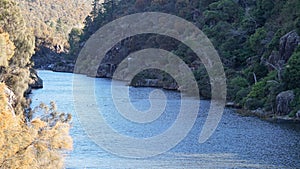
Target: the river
(238, 142)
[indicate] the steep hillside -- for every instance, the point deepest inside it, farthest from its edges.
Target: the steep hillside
(257, 41)
(17, 47)
(25, 142)
(52, 20)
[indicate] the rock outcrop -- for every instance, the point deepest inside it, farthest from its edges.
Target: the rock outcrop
(10, 98)
(44, 58)
(48, 59)
(283, 101)
(63, 67)
(288, 44)
(37, 81)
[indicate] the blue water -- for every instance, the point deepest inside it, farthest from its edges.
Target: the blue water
(238, 142)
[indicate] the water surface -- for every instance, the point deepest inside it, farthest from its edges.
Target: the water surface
(238, 142)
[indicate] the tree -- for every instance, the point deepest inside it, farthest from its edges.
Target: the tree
(35, 145)
(16, 75)
(224, 10)
(263, 10)
(96, 8)
(6, 49)
(74, 38)
(292, 71)
(256, 40)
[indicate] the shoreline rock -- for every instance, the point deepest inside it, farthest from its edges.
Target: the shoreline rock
(264, 115)
(268, 116)
(37, 81)
(283, 101)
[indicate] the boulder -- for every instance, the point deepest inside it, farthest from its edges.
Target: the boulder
(283, 101)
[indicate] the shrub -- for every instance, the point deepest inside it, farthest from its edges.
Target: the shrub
(292, 71)
(253, 103)
(258, 90)
(256, 40)
(235, 85)
(32, 145)
(241, 94)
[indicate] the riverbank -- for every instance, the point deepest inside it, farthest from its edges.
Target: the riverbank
(260, 113)
(267, 116)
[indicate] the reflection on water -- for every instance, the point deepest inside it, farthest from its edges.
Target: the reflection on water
(239, 142)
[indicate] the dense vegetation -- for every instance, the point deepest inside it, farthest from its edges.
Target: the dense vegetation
(17, 50)
(24, 142)
(52, 20)
(247, 34)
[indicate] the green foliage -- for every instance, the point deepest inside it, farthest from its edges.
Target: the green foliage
(264, 92)
(237, 88)
(263, 10)
(228, 10)
(255, 70)
(289, 15)
(292, 71)
(256, 40)
(297, 25)
(203, 82)
(241, 95)
(74, 38)
(253, 103)
(274, 44)
(295, 105)
(258, 90)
